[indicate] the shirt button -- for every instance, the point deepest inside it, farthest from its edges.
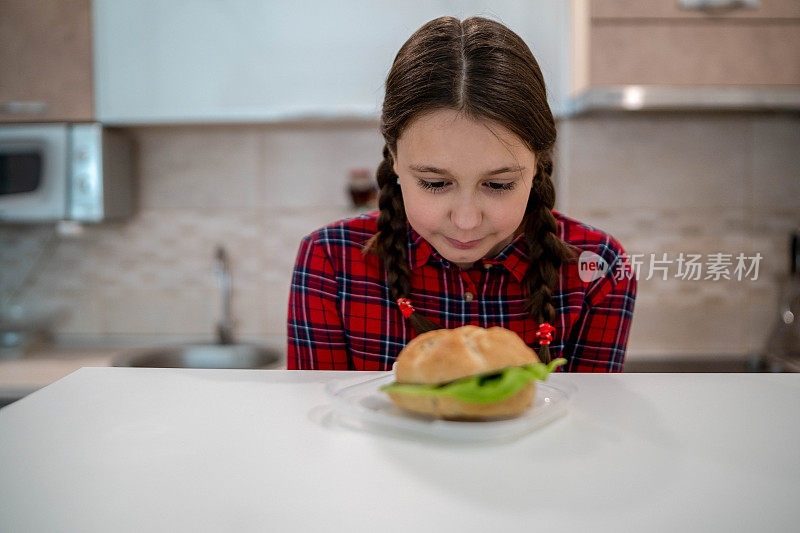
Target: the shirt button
(468, 296)
(487, 266)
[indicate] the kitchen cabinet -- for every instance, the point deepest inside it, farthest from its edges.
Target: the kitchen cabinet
(655, 42)
(672, 9)
(185, 61)
(45, 61)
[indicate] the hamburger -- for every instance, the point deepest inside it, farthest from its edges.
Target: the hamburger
(467, 373)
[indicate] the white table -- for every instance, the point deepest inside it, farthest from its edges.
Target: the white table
(124, 449)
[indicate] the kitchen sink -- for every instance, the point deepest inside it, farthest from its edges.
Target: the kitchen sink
(224, 353)
(202, 356)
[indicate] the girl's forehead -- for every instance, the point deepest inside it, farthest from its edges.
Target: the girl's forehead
(446, 121)
(448, 134)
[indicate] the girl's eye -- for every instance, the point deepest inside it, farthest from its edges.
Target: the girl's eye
(501, 186)
(493, 186)
(433, 186)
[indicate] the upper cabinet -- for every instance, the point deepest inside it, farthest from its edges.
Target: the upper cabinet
(45, 61)
(194, 61)
(695, 9)
(184, 61)
(669, 45)
(685, 54)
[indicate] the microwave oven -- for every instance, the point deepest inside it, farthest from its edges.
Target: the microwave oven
(64, 171)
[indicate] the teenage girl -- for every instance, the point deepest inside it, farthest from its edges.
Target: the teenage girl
(466, 232)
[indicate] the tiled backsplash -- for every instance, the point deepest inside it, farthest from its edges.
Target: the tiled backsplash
(660, 183)
(699, 184)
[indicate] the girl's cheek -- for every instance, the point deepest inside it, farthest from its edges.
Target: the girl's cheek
(424, 202)
(423, 211)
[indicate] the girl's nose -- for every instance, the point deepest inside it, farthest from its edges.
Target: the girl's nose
(466, 215)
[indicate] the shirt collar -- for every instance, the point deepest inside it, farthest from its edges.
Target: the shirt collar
(513, 257)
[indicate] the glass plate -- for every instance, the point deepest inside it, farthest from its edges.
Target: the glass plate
(365, 402)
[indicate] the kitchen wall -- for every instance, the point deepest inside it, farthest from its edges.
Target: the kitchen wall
(660, 183)
(699, 184)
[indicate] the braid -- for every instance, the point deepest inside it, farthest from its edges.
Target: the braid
(390, 242)
(546, 252)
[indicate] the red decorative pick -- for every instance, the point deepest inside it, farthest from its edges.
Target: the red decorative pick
(545, 333)
(405, 306)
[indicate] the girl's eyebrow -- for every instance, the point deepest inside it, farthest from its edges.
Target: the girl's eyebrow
(428, 168)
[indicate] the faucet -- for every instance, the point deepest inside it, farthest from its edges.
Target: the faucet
(223, 272)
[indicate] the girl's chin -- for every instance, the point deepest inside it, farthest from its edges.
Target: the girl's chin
(462, 258)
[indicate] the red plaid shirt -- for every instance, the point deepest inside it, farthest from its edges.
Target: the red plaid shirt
(341, 316)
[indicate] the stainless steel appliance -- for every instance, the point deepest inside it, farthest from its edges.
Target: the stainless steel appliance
(783, 347)
(64, 171)
(782, 350)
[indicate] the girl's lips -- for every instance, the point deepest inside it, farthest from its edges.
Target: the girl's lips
(463, 245)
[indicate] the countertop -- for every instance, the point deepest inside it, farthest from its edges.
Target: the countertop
(22, 374)
(134, 449)
(42, 364)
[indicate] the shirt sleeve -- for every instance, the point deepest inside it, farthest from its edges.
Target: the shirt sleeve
(316, 339)
(600, 336)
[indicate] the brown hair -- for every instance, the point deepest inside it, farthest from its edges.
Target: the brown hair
(484, 70)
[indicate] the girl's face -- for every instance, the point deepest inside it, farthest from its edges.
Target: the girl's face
(465, 184)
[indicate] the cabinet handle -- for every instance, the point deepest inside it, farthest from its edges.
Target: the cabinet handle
(23, 108)
(718, 7)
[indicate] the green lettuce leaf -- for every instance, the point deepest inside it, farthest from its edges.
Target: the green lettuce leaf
(484, 388)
